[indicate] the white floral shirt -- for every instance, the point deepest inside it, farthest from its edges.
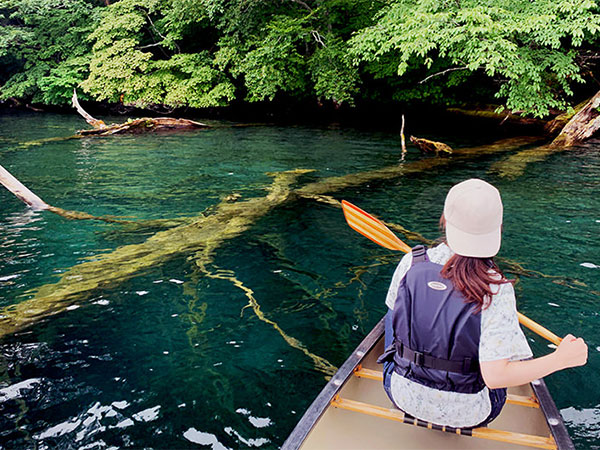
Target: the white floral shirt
(501, 338)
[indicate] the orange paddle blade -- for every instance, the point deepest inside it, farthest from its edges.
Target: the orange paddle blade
(372, 228)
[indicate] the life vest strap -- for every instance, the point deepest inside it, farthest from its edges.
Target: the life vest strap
(420, 359)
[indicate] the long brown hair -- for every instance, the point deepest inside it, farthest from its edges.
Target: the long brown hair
(473, 277)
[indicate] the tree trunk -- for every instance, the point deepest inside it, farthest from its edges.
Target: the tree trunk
(142, 125)
(582, 126)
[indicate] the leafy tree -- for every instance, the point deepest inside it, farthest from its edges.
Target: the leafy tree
(206, 53)
(528, 48)
(44, 52)
(136, 59)
(530, 54)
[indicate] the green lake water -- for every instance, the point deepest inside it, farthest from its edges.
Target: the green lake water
(172, 358)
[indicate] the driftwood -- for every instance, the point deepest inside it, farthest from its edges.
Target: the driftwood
(427, 146)
(555, 126)
(402, 141)
(142, 125)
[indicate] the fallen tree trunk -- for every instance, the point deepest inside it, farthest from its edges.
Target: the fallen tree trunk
(489, 112)
(582, 126)
(202, 236)
(142, 125)
(20, 191)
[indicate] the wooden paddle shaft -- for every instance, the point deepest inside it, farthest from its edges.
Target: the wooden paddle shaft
(538, 329)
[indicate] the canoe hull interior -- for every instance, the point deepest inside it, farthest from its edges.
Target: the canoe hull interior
(326, 427)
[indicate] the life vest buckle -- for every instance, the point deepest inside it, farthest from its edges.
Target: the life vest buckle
(419, 358)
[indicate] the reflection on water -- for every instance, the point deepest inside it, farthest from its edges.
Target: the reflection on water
(228, 357)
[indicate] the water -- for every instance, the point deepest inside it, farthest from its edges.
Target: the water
(173, 358)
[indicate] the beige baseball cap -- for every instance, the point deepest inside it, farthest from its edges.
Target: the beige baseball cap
(473, 213)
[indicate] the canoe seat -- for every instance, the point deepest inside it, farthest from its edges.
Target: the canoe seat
(513, 399)
(394, 414)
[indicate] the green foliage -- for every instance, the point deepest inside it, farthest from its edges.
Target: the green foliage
(527, 47)
(124, 68)
(201, 53)
(43, 43)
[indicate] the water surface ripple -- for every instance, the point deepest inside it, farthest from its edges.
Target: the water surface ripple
(173, 358)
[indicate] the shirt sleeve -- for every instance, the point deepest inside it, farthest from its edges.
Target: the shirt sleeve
(399, 273)
(501, 336)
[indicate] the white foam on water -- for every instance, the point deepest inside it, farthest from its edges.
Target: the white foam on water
(176, 281)
(72, 307)
(199, 437)
(140, 293)
(243, 411)
(101, 302)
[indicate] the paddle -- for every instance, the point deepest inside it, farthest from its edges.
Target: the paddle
(374, 229)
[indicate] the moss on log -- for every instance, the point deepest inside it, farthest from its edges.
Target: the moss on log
(489, 112)
(205, 233)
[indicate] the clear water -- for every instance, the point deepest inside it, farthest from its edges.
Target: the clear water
(172, 358)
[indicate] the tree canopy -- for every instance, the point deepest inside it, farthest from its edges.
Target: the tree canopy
(528, 55)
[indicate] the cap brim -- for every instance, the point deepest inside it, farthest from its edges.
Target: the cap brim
(474, 245)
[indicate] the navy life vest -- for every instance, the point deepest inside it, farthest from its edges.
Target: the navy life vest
(436, 332)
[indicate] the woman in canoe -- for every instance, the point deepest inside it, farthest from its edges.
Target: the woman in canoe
(453, 341)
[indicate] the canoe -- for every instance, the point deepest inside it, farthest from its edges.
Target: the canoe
(353, 412)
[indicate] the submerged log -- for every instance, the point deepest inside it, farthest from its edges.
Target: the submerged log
(582, 126)
(202, 236)
(427, 146)
(142, 125)
(489, 112)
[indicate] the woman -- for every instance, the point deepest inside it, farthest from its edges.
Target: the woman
(453, 341)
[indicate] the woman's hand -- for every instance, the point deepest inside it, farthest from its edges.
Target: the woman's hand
(571, 352)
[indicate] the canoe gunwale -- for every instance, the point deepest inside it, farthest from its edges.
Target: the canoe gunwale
(331, 389)
(548, 407)
(323, 400)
